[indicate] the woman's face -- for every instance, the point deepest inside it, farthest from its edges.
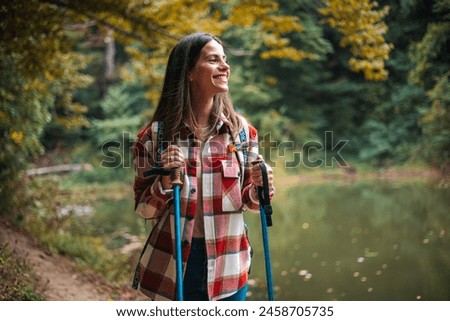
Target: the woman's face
(211, 72)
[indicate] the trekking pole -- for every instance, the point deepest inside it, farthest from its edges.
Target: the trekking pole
(176, 184)
(265, 210)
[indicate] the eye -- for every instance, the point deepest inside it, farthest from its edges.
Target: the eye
(217, 59)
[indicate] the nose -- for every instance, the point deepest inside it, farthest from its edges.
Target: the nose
(224, 66)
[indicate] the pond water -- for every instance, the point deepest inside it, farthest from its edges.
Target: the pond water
(366, 241)
(363, 241)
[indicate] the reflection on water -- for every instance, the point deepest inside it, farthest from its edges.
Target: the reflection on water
(368, 241)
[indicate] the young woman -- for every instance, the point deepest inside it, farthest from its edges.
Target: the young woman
(195, 128)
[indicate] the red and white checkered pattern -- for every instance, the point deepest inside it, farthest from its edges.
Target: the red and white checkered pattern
(225, 198)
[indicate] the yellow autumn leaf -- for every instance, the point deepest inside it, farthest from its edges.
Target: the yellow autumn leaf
(16, 136)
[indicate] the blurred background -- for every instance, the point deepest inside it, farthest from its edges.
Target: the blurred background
(351, 100)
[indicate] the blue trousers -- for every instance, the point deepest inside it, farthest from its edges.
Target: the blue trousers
(195, 277)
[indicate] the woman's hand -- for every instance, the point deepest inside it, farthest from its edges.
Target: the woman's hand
(172, 157)
(257, 176)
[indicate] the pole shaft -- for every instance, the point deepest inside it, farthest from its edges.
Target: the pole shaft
(178, 254)
(267, 260)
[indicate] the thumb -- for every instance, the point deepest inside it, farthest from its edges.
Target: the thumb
(259, 159)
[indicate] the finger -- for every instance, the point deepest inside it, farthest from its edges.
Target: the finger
(257, 180)
(271, 193)
(172, 156)
(174, 150)
(170, 162)
(171, 149)
(256, 170)
(257, 176)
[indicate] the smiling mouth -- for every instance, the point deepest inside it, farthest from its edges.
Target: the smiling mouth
(221, 77)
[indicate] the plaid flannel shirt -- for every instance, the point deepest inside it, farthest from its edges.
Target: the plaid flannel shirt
(226, 195)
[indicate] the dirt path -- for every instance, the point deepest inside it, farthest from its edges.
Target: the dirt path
(58, 278)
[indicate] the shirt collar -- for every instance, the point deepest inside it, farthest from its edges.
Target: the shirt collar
(223, 124)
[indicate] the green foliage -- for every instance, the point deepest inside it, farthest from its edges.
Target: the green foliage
(55, 218)
(18, 283)
(23, 113)
(37, 46)
(382, 140)
(122, 109)
(430, 71)
(33, 34)
(392, 132)
(103, 175)
(427, 54)
(436, 124)
(38, 76)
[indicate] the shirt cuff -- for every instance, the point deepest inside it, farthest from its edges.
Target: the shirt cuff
(160, 192)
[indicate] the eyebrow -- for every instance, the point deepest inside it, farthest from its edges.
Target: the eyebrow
(216, 55)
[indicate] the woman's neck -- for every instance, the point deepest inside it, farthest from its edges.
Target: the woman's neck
(203, 109)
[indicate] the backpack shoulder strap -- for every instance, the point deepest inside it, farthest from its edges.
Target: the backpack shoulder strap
(243, 140)
(158, 137)
(242, 147)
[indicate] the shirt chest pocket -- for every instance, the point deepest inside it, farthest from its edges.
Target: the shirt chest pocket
(230, 186)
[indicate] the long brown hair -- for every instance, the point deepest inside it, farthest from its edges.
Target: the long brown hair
(174, 106)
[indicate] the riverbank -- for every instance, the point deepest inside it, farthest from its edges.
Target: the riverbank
(349, 175)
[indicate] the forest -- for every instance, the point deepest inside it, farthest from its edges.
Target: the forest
(374, 74)
(362, 84)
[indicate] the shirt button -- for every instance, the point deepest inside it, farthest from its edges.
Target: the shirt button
(193, 190)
